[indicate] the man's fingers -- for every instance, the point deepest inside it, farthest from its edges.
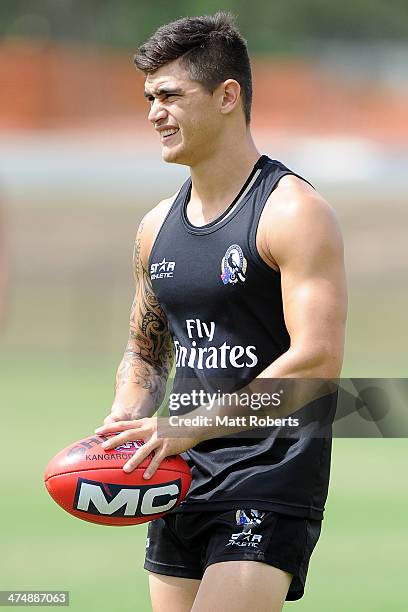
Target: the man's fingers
(138, 457)
(108, 420)
(154, 464)
(117, 426)
(126, 436)
(128, 431)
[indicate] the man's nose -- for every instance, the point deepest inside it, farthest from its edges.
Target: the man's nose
(157, 112)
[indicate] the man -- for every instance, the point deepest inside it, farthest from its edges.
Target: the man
(240, 277)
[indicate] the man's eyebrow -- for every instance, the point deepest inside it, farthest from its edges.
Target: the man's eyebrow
(162, 91)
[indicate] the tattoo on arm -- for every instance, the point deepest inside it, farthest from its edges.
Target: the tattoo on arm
(149, 352)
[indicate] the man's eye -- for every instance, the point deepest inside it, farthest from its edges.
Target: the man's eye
(163, 97)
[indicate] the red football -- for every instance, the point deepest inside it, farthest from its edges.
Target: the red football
(89, 482)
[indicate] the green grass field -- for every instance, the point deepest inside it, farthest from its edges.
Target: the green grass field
(50, 400)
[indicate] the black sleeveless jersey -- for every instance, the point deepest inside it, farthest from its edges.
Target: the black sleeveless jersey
(224, 308)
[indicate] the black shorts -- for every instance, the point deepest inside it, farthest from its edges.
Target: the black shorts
(184, 544)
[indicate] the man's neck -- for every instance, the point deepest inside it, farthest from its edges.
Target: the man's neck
(217, 179)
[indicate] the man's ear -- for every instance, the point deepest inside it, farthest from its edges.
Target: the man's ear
(229, 95)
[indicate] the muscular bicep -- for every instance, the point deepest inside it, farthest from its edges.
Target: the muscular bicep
(309, 253)
(143, 371)
(148, 327)
(314, 310)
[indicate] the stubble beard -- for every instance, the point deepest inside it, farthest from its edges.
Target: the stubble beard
(176, 154)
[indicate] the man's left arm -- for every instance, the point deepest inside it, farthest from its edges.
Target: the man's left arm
(302, 237)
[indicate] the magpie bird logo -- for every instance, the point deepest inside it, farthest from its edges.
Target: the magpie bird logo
(249, 518)
(233, 265)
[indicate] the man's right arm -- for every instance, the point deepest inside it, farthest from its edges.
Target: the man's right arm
(145, 366)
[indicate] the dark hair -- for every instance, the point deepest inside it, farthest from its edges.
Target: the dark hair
(211, 49)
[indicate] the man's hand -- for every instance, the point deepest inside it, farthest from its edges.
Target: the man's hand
(145, 429)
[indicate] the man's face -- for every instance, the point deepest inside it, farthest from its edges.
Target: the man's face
(183, 113)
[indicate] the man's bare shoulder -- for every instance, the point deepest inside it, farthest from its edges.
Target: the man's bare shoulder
(295, 216)
(293, 197)
(150, 226)
(155, 216)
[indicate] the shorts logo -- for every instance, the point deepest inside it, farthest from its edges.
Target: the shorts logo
(233, 265)
(248, 539)
(248, 519)
(162, 269)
